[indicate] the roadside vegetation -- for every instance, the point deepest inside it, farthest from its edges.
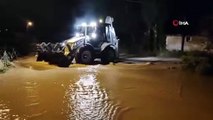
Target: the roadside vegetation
(6, 58)
(200, 62)
(196, 61)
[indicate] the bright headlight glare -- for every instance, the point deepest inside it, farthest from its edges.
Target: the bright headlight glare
(84, 24)
(77, 34)
(94, 35)
(93, 24)
(100, 21)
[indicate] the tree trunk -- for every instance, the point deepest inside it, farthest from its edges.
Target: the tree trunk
(182, 43)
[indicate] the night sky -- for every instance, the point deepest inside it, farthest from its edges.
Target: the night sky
(56, 17)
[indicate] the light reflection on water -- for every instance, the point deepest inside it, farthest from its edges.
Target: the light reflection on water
(24, 104)
(5, 112)
(87, 100)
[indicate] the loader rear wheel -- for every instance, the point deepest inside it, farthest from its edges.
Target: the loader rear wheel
(108, 55)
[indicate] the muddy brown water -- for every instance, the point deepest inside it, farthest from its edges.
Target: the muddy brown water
(39, 91)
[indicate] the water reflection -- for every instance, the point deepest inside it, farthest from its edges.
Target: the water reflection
(23, 104)
(87, 100)
(5, 112)
(32, 102)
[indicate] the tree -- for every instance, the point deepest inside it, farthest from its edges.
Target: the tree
(154, 15)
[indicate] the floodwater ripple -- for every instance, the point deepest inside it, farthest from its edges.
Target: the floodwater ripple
(87, 100)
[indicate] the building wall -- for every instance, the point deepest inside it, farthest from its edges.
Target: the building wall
(194, 43)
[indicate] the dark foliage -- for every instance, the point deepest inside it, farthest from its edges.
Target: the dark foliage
(200, 62)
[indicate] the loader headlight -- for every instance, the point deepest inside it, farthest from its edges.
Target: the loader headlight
(77, 34)
(100, 20)
(93, 24)
(93, 35)
(84, 24)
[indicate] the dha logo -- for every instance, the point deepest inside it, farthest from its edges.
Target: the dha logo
(177, 23)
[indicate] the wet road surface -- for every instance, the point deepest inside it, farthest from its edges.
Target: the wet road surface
(39, 91)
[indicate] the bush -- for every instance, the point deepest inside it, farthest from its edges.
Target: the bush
(204, 68)
(199, 62)
(5, 62)
(2, 68)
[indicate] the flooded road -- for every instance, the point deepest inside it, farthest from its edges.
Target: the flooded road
(38, 91)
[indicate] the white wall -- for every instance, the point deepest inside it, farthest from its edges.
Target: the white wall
(173, 42)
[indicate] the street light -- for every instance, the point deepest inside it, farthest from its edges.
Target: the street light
(29, 24)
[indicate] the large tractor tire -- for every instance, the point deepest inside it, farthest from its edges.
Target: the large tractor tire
(46, 57)
(53, 59)
(40, 57)
(63, 62)
(85, 56)
(108, 55)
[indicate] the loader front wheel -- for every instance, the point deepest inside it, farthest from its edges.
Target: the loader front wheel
(63, 62)
(40, 57)
(85, 56)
